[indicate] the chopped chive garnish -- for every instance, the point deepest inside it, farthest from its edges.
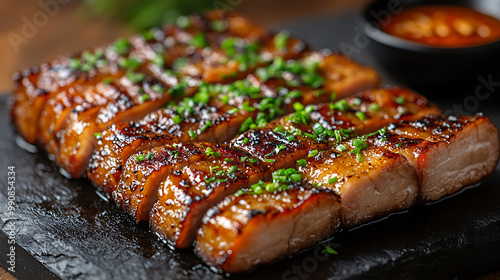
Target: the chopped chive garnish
(140, 158)
(210, 152)
(280, 40)
(374, 107)
(329, 251)
(232, 111)
(270, 160)
(245, 141)
(198, 41)
(183, 22)
(400, 100)
(341, 148)
(98, 136)
(302, 162)
(121, 46)
(135, 77)
(233, 169)
(242, 159)
(150, 156)
(295, 177)
(177, 119)
(333, 180)
(218, 25)
(360, 115)
(312, 153)
(192, 134)
(356, 101)
(253, 160)
(158, 60)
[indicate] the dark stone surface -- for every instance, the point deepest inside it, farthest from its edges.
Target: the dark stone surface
(65, 225)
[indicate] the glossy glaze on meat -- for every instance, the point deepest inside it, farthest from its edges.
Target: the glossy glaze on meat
(447, 153)
(249, 229)
(278, 145)
(225, 109)
(243, 140)
(371, 176)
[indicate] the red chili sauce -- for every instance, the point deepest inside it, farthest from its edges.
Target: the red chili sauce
(444, 26)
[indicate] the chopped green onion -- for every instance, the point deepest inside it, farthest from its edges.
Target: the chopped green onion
(374, 107)
(360, 115)
(158, 60)
(121, 46)
(302, 162)
(400, 100)
(192, 134)
(140, 158)
(280, 40)
(312, 153)
(183, 22)
(333, 180)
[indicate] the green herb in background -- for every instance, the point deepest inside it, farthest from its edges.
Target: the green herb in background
(141, 15)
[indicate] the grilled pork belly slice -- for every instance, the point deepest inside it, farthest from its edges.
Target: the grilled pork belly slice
(272, 220)
(447, 153)
(278, 145)
(247, 230)
(76, 143)
(185, 45)
(206, 123)
(144, 171)
(371, 182)
(274, 97)
(187, 194)
(208, 116)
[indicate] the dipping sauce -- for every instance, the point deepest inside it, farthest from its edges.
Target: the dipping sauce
(444, 26)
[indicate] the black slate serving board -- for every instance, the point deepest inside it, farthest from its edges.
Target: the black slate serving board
(65, 225)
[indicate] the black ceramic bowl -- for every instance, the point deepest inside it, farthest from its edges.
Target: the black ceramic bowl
(421, 66)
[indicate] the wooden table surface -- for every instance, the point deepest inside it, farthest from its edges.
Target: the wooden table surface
(69, 30)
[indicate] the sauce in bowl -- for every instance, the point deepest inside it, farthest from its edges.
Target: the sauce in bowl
(444, 26)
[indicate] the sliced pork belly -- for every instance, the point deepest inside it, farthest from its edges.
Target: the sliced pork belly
(278, 145)
(371, 182)
(210, 115)
(187, 194)
(256, 226)
(158, 128)
(144, 171)
(447, 153)
(79, 138)
(273, 98)
(247, 230)
(187, 46)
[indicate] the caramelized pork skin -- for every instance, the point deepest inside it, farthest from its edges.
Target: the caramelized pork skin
(274, 97)
(372, 176)
(448, 153)
(66, 93)
(336, 191)
(278, 145)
